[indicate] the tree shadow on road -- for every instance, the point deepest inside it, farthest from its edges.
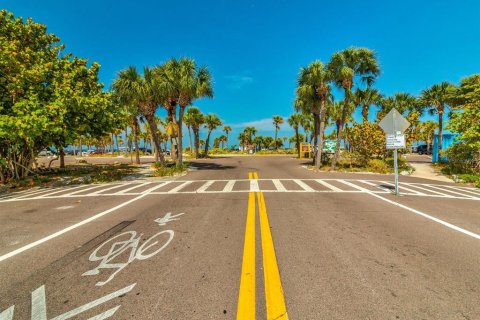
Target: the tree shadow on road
(209, 166)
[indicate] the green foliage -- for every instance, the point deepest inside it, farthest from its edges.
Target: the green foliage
(367, 140)
(47, 98)
(169, 169)
(462, 158)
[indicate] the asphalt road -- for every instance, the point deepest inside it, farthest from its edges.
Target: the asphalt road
(243, 237)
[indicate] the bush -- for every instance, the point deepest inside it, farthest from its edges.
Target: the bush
(462, 158)
(379, 166)
(169, 169)
(367, 140)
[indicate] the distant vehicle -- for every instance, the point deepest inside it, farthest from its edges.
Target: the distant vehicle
(68, 152)
(45, 153)
(423, 149)
(98, 151)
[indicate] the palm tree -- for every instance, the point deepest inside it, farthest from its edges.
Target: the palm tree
(277, 121)
(365, 98)
(295, 121)
(196, 119)
(306, 123)
(258, 141)
(405, 103)
(268, 142)
(212, 121)
(313, 89)
(242, 140)
(345, 66)
(146, 93)
(227, 129)
(435, 99)
(187, 119)
(427, 132)
(250, 132)
(183, 82)
(222, 139)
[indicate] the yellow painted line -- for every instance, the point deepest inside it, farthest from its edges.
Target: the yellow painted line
(255, 175)
(250, 175)
(274, 297)
(246, 296)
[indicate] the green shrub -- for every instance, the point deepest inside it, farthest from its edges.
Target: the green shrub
(469, 178)
(462, 158)
(378, 166)
(169, 169)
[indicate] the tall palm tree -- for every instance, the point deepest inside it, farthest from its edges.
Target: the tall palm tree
(405, 103)
(187, 119)
(196, 120)
(212, 121)
(250, 132)
(295, 120)
(314, 90)
(435, 99)
(127, 96)
(242, 140)
(147, 94)
(259, 142)
(277, 121)
(366, 98)
(183, 83)
(346, 66)
(427, 132)
(227, 129)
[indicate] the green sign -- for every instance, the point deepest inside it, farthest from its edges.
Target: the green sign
(329, 146)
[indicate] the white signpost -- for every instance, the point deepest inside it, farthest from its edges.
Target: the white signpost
(394, 125)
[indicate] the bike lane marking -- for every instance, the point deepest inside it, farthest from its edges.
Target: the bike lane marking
(274, 297)
(79, 224)
(246, 295)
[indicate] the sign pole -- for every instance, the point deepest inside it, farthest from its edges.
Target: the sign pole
(395, 164)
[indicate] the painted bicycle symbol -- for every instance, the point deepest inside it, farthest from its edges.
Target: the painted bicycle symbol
(111, 253)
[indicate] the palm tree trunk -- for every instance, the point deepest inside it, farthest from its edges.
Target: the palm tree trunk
(61, 154)
(135, 139)
(196, 141)
(322, 130)
(297, 138)
(316, 145)
(340, 134)
(440, 131)
(153, 127)
(81, 147)
(180, 136)
(365, 113)
(112, 144)
(207, 143)
(190, 138)
(275, 142)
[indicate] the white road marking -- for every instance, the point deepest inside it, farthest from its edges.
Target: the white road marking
(303, 185)
(39, 304)
(229, 186)
(278, 185)
(83, 190)
(180, 187)
(446, 224)
(254, 187)
(375, 185)
(429, 190)
(7, 314)
(111, 188)
(205, 186)
(463, 190)
(131, 188)
(454, 192)
(62, 190)
(400, 185)
(33, 193)
(328, 185)
(79, 224)
(65, 207)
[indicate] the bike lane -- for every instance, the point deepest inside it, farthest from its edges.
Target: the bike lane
(175, 256)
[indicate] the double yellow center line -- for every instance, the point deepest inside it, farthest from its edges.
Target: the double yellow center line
(275, 301)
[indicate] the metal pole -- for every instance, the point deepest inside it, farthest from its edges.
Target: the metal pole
(395, 164)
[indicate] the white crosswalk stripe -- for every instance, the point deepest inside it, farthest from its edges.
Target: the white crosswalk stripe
(244, 185)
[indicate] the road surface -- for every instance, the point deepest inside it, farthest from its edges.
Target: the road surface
(242, 238)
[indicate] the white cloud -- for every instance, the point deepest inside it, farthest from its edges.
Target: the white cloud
(238, 81)
(261, 125)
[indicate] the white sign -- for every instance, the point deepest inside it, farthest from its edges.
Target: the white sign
(395, 141)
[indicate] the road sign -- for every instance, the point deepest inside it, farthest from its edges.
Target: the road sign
(395, 141)
(394, 122)
(329, 146)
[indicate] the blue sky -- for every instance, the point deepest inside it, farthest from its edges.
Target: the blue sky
(254, 49)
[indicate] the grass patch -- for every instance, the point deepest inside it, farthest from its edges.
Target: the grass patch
(169, 169)
(72, 175)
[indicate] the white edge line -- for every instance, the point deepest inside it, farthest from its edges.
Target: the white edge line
(63, 231)
(446, 224)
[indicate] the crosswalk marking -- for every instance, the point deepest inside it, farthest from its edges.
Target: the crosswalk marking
(205, 186)
(328, 185)
(303, 185)
(180, 187)
(254, 185)
(132, 188)
(229, 186)
(278, 185)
